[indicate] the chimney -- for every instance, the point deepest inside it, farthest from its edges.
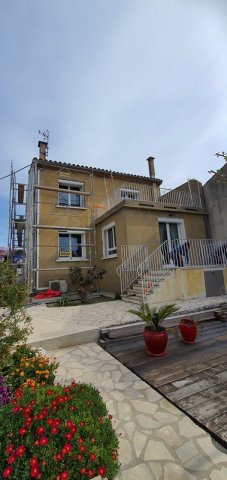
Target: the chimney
(151, 167)
(43, 150)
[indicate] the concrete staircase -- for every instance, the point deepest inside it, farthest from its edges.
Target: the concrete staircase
(142, 289)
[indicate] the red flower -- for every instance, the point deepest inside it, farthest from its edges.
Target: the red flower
(39, 430)
(7, 472)
(23, 431)
(9, 449)
(66, 449)
(33, 462)
(11, 459)
(34, 472)
(72, 408)
(80, 440)
(69, 424)
(110, 417)
(83, 470)
(92, 457)
(82, 424)
(49, 392)
(68, 436)
(90, 473)
(20, 450)
(64, 475)
(67, 389)
(54, 431)
(58, 456)
(49, 421)
(102, 471)
(82, 448)
(92, 440)
(79, 457)
(43, 441)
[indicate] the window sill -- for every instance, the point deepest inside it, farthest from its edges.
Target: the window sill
(72, 259)
(70, 206)
(109, 256)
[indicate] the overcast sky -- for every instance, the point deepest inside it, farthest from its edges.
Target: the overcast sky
(114, 81)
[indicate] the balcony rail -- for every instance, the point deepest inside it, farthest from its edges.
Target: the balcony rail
(146, 193)
(152, 269)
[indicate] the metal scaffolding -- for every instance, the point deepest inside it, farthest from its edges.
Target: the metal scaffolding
(17, 222)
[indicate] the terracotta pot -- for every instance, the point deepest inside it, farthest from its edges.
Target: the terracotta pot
(156, 342)
(188, 330)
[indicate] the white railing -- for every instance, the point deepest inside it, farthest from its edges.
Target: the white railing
(204, 253)
(132, 256)
(146, 193)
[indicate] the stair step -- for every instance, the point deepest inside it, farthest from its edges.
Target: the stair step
(135, 300)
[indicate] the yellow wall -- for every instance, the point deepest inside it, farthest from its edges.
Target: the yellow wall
(180, 285)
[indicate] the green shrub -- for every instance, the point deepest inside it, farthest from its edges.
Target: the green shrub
(15, 324)
(85, 284)
(57, 433)
(63, 301)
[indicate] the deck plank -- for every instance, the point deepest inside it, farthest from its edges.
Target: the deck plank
(193, 377)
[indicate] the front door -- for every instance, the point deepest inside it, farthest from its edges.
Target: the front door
(168, 232)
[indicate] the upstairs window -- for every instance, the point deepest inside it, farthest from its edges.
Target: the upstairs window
(70, 245)
(109, 240)
(70, 199)
(130, 193)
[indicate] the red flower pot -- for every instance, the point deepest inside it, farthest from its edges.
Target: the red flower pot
(156, 342)
(188, 330)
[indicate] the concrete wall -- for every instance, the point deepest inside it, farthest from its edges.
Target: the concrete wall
(216, 201)
(182, 284)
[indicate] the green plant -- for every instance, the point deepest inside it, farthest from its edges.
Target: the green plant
(63, 301)
(13, 295)
(57, 433)
(153, 316)
(85, 284)
(29, 366)
(15, 324)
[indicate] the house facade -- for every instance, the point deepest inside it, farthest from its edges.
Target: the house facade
(127, 224)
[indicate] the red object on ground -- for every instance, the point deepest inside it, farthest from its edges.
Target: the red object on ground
(48, 294)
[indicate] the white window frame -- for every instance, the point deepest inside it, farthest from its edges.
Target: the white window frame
(107, 251)
(70, 258)
(69, 184)
(129, 194)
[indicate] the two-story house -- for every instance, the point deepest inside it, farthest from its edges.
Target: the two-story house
(124, 223)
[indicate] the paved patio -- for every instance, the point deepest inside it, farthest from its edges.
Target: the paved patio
(82, 323)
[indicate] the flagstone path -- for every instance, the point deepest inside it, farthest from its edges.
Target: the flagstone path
(157, 441)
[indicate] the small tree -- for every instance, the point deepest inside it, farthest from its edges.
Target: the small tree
(15, 324)
(85, 284)
(221, 177)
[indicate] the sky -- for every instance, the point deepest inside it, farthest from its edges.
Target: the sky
(114, 82)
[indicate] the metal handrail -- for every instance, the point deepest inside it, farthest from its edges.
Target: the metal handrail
(127, 271)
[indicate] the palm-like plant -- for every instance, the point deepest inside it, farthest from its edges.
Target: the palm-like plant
(154, 316)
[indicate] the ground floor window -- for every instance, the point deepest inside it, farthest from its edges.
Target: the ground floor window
(109, 240)
(71, 245)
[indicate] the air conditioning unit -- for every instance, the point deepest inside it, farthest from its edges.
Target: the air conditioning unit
(58, 285)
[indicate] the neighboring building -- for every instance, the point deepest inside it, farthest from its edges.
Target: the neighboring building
(127, 224)
(215, 191)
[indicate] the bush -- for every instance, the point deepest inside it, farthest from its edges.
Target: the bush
(57, 433)
(28, 366)
(15, 324)
(85, 284)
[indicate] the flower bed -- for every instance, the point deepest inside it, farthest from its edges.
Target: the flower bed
(51, 432)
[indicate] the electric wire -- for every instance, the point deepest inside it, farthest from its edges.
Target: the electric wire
(16, 171)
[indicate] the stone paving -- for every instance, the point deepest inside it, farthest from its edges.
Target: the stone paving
(157, 441)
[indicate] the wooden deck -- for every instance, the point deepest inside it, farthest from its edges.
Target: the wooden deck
(193, 377)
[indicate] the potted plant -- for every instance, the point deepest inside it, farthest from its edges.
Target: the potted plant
(155, 336)
(188, 330)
